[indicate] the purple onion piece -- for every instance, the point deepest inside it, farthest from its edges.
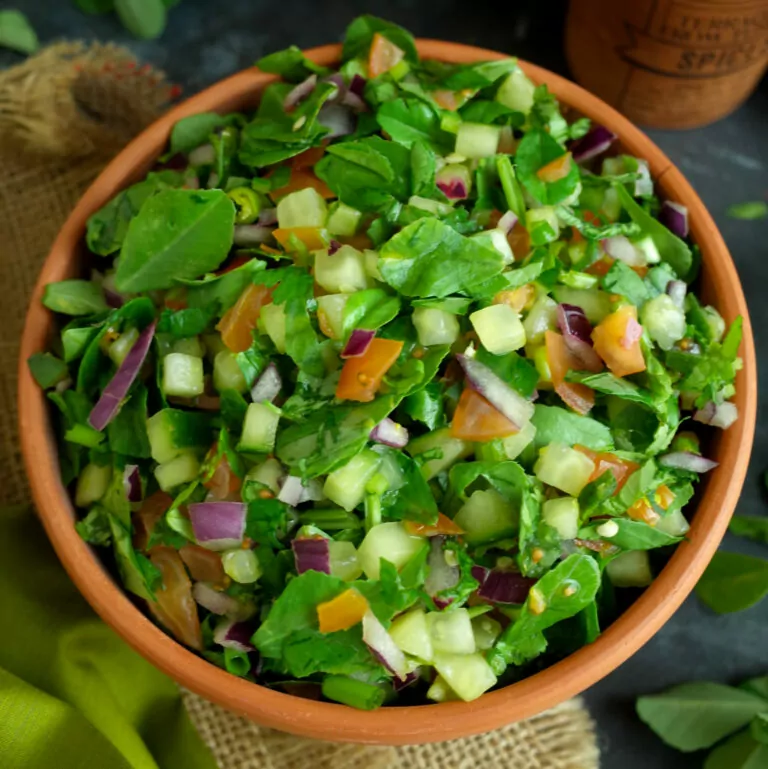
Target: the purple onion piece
(593, 143)
(687, 460)
(338, 80)
(247, 235)
(218, 525)
(354, 102)
(505, 587)
(677, 289)
(440, 575)
(379, 641)
(577, 331)
(333, 247)
(267, 387)
(390, 433)
(620, 247)
(674, 217)
(216, 601)
(234, 635)
(338, 118)
(721, 415)
(267, 217)
(454, 189)
(291, 491)
(357, 85)
(132, 483)
(358, 343)
(507, 222)
(400, 684)
(116, 390)
(312, 554)
(299, 93)
(113, 299)
(480, 573)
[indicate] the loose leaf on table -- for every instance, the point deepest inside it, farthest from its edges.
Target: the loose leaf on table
(753, 209)
(74, 297)
(16, 32)
(177, 234)
(696, 715)
(408, 121)
(556, 424)
(733, 582)
(750, 526)
(290, 64)
(144, 19)
(537, 149)
(742, 751)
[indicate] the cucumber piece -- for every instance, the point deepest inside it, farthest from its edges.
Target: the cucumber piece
(343, 220)
(453, 449)
(183, 375)
(304, 208)
(268, 473)
(330, 313)
(542, 317)
(342, 272)
(663, 320)
(173, 431)
(647, 248)
(390, 471)
(469, 675)
(272, 320)
(562, 514)
(227, 374)
(431, 206)
(344, 561)
(486, 631)
(510, 447)
(390, 541)
(92, 484)
(122, 345)
(596, 304)
(371, 264)
(346, 486)
(242, 566)
(189, 346)
(259, 429)
(441, 692)
(411, 634)
(477, 140)
(564, 468)
(213, 344)
(541, 362)
(435, 326)
(451, 631)
(516, 92)
(611, 207)
(630, 569)
(499, 328)
(674, 524)
(486, 516)
(182, 469)
(545, 215)
(496, 240)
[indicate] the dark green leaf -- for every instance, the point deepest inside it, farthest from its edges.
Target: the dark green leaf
(595, 232)
(370, 309)
(476, 76)
(426, 406)
(127, 432)
(733, 582)
(182, 324)
(359, 34)
(74, 297)
(217, 293)
(758, 686)
(750, 526)
(409, 121)
(47, 369)
(536, 150)
(144, 19)
(632, 535)
(558, 425)
(16, 32)
(741, 751)
(95, 528)
(623, 280)
(413, 500)
(138, 573)
(518, 372)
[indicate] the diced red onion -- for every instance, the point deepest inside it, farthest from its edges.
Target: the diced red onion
(440, 574)
(593, 143)
(632, 333)
(676, 289)
(577, 331)
(337, 79)
(721, 415)
(400, 684)
(251, 235)
(234, 635)
(674, 217)
(267, 386)
(333, 247)
(116, 390)
(113, 299)
(215, 601)
(390, 433)
(621, 248)
(357, 85)
(267, 217)
(132, 483)
(354, 102)
(507, 222)
(504, 586)
(291, 491)
(204, 155)
(380, 642)
(643, 183)
(687, 460)
(312, 554)
(480, 573)
(339, 119)
(218, 525)
(358, 343)
(496, 391)
(454, 189)
(299, 93)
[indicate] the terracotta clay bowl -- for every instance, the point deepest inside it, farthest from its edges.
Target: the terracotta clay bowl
(392, 725)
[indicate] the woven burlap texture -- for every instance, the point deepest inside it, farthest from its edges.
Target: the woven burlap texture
(63, 114)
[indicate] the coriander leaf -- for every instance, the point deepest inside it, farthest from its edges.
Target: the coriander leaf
(185, 323)
(423, 172)
(556, 424)
(518, 372)
(413, 499)
(290, 64)
(750, 526)
(536, 535)
(593, 232)
(753, 209)
(127, 432)
(610, 384)
(47, 369)
(74, 297)
(428, 258)
(733, 582)
(360, 32)
(408, 121)
(545, 115)
(138, 573)
(456, 305)
(536, 149)
(95, 528)
(696, 715)
(742, 751)
(16, 32)
(490, 113)
(632, 535)
(426, 406)
(507, 478)
(177, 234)
(623, 280)
(217, 293)
(369, 309)
(192, 131)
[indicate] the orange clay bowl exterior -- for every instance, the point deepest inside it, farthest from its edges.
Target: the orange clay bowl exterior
(389, 725)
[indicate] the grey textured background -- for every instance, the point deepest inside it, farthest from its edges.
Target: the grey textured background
(725, 162)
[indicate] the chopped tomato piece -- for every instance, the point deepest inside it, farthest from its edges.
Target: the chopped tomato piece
(223, 482)
(300, 178)
(203, 565)
(383, 56)
(237, 325)
(477, 420)
(360, 241)
(561, 360)
(556, 169)
(444, 525)
(518, 299)
(664, 496)
(292, 238)
(176, 299)
(342, 612)
(617, 341)
(153, 508)
(642, 511)
(360, 378)
(451, 100)
(175, 607)
(519, 241)
(601, 266)
(238, 261)
(621, 468)
(308, 158)
(596, 545)
(642, 270)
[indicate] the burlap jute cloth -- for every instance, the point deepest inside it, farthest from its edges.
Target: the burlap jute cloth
(63, 115)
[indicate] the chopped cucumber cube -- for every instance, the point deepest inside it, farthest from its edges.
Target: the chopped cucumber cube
(173, 431)
(182, 469)
(611, 206)
(564, 468)
(496, 240)
(92, 484)
(213, 344)
(596, 304)
(486, 631)
(259, 429)
(451, 450)
(630, 569)
(183, 375)
(343, 220)
(663, 320)
(241, 566)
(542, 317)
(268, 473)
(342, 272)
(435, 326)
(346, 486)
(122, 345)
(647, 248)
(189, 346)
(477, 140)
(516, 92)
(439, 691)
(469, 675)
(411, 634)
(486, 516)
(330, 314)
(499, 328)
(387, 540)
(227, 374)
(451, 631)
(432, 206)
(344, 561)
(545, 215)
(511, 447)
(272, 320)
(304, 208)
(562, 514)
(674, 524)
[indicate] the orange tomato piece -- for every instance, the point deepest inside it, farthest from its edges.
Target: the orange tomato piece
(300, 178)
(664, 496)
(237, 325)
(601, 266)
(642, 511)
(153, 508)
(223, 482)
(342, 612)
(621, 468)
(176, 299)
(556, 169)
(444, 525)
(203, 565)
(360, 241)
(175, 607)
(312, 238)
(617, 341)
(642, 270)
(308, 158)
(238, 261)
(519, 241)
(475, 419)
(561, 360)
(360, 377)
(383, 55)
(517, 298)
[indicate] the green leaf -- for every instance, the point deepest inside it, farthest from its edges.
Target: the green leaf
(192, 131)
(741, 751)
(518, 372)
(513, 194)
(475, 76)
(96, 6)
(673, 250)
(95, 528)
(138, 573)
(759, 728)
(370, 309)
(632, 535)
(290, 64)
(753, 209)
(592, 231)
(217, 293)
(409, 121)
(47, 369)
(556, 424)
(144, 19)
(359, 35)
(182, 324)
(750, 526)
(733, 582)
(428, 258)
(74, 297)
(426, 405)
(16, 32)
(127, 432)
(413, 500)
(758, 686)
(423, 171)
(536, 149)
(696, 715)
(623, 280)
(177, 234)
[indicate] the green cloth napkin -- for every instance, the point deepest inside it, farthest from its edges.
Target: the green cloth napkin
(72, 694)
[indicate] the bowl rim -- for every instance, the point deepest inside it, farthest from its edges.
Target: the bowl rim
(409, 724)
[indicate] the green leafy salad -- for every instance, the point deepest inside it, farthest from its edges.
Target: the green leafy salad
(380, 390)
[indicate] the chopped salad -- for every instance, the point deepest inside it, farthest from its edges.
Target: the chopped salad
(393, 390)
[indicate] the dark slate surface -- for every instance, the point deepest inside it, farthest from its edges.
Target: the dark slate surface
(725, 162)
